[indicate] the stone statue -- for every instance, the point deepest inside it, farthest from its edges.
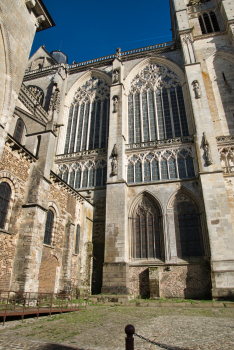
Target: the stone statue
(114, 162)
(115, 104)
(197, 89)
(116, 76)
(207, 151)
(118, 52)
(54, 101)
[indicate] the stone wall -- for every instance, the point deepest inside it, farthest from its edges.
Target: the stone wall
(7, 251)
(182, 281)
(48, 271)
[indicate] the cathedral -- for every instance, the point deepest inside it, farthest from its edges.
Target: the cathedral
(116, 174)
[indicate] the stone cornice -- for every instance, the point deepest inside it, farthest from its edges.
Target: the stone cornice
(74, 156)
(16, 146)
(31, 103)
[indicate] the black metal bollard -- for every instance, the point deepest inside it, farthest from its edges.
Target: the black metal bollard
(129, 330)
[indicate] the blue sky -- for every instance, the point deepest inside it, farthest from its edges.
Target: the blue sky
(91, 29)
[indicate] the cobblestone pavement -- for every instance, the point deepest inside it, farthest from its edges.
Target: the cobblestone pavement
(175, 329)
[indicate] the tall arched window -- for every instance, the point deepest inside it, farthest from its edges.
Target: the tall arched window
(187, 228)
(49, 227)
(146, 225)
(156, 107)
(19, 129)
(88, 118)
(5, 195)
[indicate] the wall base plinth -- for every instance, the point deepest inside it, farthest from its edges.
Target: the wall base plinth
(115, 278)
(222, 276)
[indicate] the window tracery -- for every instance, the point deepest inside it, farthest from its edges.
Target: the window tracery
(146, 223)
(208, 22)
(160, 165)
(37, 92)
(88, 118)
(84, 174)
(156, 107)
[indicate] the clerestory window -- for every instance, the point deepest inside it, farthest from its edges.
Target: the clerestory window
(156, 108)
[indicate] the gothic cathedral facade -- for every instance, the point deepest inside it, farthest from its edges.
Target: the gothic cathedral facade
(116, 174)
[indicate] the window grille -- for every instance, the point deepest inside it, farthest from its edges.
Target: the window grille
(19, 128)
(77, 243)
(49, 227)
(5, 195)
(146, 231)
(187, 228)
(157, 166)
(156, 107)
(88, 119)
(208, 22)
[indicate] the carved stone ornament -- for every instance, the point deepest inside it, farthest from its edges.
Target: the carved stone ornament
(37, 92)
(114, 162)
(115, 76)
(118, 52)
(115, 104)
(207, 151)
(197, 89)
(55, 100)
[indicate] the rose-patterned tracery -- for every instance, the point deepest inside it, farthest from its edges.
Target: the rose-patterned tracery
(156, 107)
(88, 120)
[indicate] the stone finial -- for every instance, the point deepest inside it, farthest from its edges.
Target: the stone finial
(118, 52)
(40, 19)
(197, 89)
(30, 3)
(115, 104)
(207, 151)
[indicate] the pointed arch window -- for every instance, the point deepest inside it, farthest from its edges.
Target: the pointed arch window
(49, 227)
(19, 129)
(77, 242)
(187, 228)
(88, 119)
(156, 108)
(147, 231)
(5, 195)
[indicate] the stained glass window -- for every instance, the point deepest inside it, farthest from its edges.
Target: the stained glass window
(130, 173)
(147, 236)
(138, 172)
(91, 177)
(155, 172)
(164, 170)
(147, 176)
(145, 116)
(68, 129)
(188, 229)
(181, 168)
(78, 177)
(172, 168)
(49, 227)
(74, 126)
(5, 195)
(72, 178)
(99, 177)
(85, 178)
(65, 175)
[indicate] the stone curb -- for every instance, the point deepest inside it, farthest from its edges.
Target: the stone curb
(186, 305)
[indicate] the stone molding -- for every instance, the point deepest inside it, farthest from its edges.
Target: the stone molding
(160, 143)
(30, 102)
(88, 153)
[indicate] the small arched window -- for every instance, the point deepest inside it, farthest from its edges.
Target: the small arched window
(209, 23)
(49, 227)
(5, 195)
(147, 230)
(187, 228)
(19, 128)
